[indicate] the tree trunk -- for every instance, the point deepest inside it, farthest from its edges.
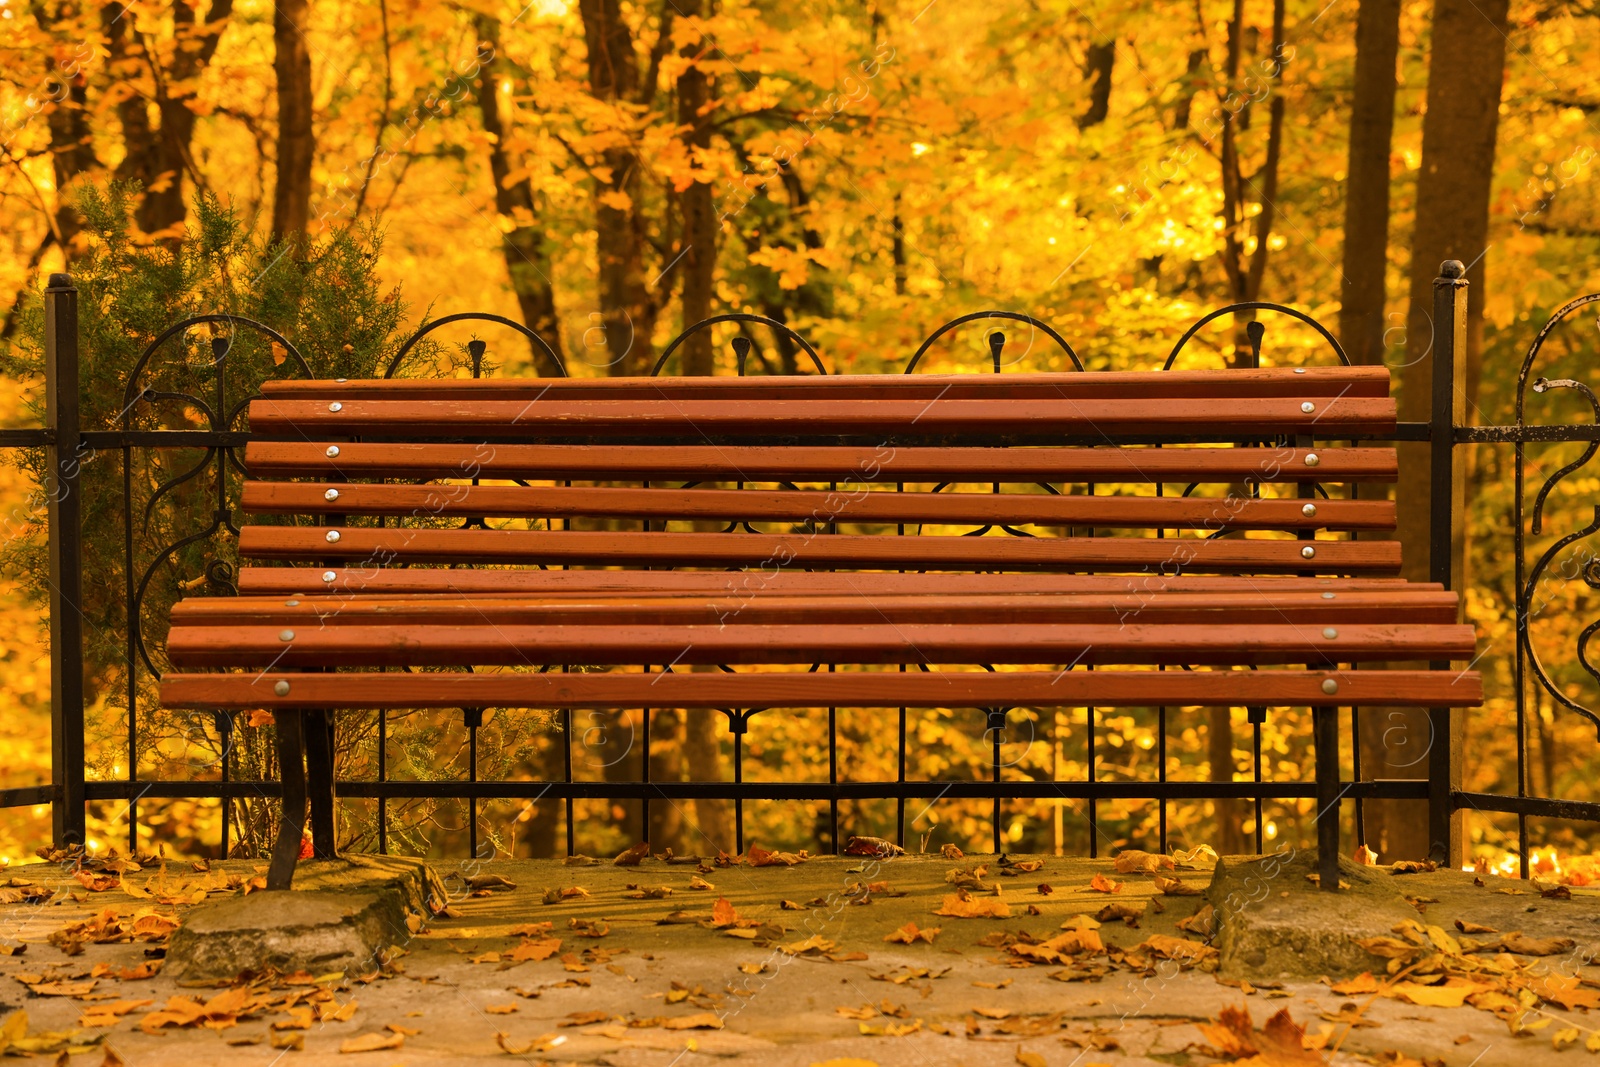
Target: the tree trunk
(1465, 69)
(159, 157)
(71, 146)
(1366, 204)
(666, 765)
(627, 314)
(291, 199)
(1097, 70)
(1230, 840)
(1182, 109)
(699, 252)
(897, 246)
(527, 261)
(702, 750)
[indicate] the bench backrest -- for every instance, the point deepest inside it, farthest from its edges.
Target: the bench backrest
(1082, 474)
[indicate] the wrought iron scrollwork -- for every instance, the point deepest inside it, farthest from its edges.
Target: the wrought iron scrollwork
(996, 339)
(1533, 523)
(741, 345)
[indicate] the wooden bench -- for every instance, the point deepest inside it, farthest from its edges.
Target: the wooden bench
(1002, 534)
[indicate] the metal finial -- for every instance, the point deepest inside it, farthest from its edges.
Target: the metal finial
(475, 349)
(1255, 331)
(741, 352)
(997, 342)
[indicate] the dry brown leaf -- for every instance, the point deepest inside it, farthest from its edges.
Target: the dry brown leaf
(1361, 984)
(1177, 887)
(1133, 861)
(706, 1020)
(1514, 942)
(1474, 928)
(1101, 884)
(375, 1042)
(909, 934)
(500, 1009)
(760, 857)
(542, 1043)
(951, 852)
(814, 943)
(530, 949)
(723, 913)
(633, 856)
(295, 1042)
(961, 906)
(697, 882)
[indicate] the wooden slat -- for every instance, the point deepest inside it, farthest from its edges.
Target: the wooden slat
(382, 547)
(868, 605)
(941, 689)
(1271, 381)
(367, 645)
(883, 465)
(975, 509)
(374, 580)
(1212, 417)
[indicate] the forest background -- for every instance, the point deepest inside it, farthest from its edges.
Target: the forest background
(608, 172)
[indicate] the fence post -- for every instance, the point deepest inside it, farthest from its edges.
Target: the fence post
(1447, 542)
(63, 459)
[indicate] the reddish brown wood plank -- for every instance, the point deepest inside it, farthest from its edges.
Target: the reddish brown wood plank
(1323, 416)
(868, 605)
(940, 689)
(858, 505)
(1270, 381)
(381, 547)
(358, 645)
(371, 579)
(881, 465)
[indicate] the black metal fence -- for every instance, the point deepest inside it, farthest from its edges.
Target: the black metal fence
(68, 444)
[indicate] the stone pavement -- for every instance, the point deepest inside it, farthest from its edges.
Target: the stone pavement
(797, 987)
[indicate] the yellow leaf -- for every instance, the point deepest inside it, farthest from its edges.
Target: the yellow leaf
(959, 906)
(372, 1042)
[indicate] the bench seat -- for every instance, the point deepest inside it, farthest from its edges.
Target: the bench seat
(1197, 539)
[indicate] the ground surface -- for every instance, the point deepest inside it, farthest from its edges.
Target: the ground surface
(965, 998)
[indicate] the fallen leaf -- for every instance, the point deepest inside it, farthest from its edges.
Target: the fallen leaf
(697, 882)
(295, 1042)
(1133, 861)
(500, 1009)
(1101, 884)
(706, 1020)
(1364, 856)
(1474, 928)
(1515, 943)
(541, 949)
(951, 852)
(1177, 887)
(634, 856)
(723, 913)
(909, 934)
(542, 1043)
(375, 1042)
(1201, 857)
(760, 857)
(961, 906)
(1361, 984)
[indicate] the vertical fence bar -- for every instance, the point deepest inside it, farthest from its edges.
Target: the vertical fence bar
(1447, 541)
(65, 515)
